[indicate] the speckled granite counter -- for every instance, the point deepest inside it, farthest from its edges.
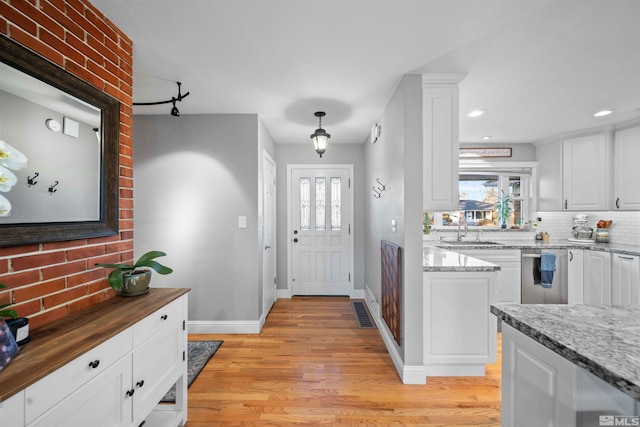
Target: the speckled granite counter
(538, 244)
(436, 259)
(604, 340)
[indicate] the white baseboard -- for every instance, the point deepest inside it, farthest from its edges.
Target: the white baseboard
(225, 326)
(357, 294)
(283, 293)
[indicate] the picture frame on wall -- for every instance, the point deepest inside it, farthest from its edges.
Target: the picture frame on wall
(475, 153)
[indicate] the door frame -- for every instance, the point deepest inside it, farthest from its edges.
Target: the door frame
(267, 158)
(349, 167)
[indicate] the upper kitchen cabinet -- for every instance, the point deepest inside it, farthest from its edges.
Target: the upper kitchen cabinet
(440, 123)
(575, 174)
(626, 193)
(586, 172)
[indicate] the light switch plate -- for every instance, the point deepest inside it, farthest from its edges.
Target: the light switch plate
(242, 222)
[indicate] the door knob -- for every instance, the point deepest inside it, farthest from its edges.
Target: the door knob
(295, 240)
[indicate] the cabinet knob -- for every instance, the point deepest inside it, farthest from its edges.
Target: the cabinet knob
(140, 383)
(130, 392)
(164, 317)
(94, 364)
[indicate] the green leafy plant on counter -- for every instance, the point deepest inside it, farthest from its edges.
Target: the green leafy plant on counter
(121, 270)
(504, 208)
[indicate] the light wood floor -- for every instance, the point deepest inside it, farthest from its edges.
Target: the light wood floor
(312, 365)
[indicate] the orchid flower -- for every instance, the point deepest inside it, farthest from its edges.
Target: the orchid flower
(7, 179)
(10, 157)
(5, 206)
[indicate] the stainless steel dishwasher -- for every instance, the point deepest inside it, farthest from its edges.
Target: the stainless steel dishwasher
(532, 290)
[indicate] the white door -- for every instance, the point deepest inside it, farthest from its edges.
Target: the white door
(320, 230)
(269, 229)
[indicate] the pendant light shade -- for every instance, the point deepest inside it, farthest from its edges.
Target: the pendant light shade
(320, 137)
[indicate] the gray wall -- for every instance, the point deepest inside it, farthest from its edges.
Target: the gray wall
(193, 176)
(302, 154)
(396, 159)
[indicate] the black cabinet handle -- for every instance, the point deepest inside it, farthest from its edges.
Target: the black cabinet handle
(565, 203)
(94, 364)
(164, 317)
(130, 392)
(570, 256)
(140, 383)
(618, 203)
(295, 240)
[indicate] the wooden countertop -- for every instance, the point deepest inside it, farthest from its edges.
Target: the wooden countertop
(58, 343)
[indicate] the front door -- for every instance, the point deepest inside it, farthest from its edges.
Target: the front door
(320, 237)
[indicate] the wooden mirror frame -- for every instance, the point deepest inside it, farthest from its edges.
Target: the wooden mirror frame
(27, 61)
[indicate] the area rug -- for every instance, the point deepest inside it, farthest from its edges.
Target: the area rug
(198, 354)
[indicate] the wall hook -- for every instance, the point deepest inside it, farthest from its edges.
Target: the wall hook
(52, 188)
(376, 192)
(383, 187)
(32, 180)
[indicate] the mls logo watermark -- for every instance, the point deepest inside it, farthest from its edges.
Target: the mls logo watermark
(619, 420)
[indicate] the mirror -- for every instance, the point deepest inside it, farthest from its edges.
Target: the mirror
(59, 148)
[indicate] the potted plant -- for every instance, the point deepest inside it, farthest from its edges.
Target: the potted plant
(503, 208)
(132, 281)
(19, 326)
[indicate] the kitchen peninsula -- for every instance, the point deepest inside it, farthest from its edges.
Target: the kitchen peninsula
(575, 362)
(459, 335)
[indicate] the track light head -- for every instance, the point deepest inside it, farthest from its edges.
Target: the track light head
(174, 110)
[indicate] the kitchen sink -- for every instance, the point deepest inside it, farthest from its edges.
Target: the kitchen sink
(470, 243)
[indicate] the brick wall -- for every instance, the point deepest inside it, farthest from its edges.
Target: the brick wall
(51, 280)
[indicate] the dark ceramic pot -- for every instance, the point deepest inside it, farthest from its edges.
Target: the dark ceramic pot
(19, 328)
(135, 283)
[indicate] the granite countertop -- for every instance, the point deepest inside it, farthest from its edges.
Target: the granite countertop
(601, 339)
(552, 244)
(437, 260)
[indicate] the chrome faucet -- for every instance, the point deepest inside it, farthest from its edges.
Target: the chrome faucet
(479, 233)
(466, 226)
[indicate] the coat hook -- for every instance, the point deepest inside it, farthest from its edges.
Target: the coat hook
(32, 180)
(52, 188)
(383, 187)
(376, 192)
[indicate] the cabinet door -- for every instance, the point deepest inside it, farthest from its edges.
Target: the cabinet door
(597, 278)
(102, 402)
(625, 280)
(157, 364)
(626, 172)
(585, 167)
(549, 176)
(12, 410)
(575, 275)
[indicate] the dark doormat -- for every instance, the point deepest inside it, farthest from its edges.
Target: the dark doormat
(362, 315)
(198, 354)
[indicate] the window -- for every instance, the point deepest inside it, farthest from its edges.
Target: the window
(480, 193)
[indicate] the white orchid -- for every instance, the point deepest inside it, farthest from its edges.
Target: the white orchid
(10, 157)
(5, 206)
(7, 179)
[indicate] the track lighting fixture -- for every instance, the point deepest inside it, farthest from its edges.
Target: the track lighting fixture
(174, 111)
(320, 137)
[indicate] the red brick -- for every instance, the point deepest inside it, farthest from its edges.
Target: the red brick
(57, 15)
(27, 308)
(20, 279)
(98, 21)
(63, 269)
(43, 20)
(112, 258)
(82, 278)
(100, 285)
(126, 182)
(105, 239)
(86, 252)
(80, 72)
(36, 45)
(32, 261)
(128, 172)
(14, 250)
(25, 293)
(60, 46)
(20, 20)
(64, 297)
(126, 193)
(4, 266)
(4, 26)
(86, 302)
(5, 297)
(77, 6)
(119, 247)
(64, 245)
(126, 235)
(59, 4)
(124, 204)
(101, 72)
(108, 56)
(42, 319)
(79, 44)
(125, 225)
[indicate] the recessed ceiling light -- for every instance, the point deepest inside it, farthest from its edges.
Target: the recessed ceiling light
(603, 113)
(475, 113)
(486, 137)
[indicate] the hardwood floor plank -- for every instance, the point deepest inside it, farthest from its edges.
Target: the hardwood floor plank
(313, 366)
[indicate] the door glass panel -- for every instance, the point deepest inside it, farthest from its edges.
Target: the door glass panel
(514, 186)
(320, 203)
(305, 203)
(336, 204)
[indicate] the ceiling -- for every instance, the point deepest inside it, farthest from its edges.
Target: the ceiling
(538, 68)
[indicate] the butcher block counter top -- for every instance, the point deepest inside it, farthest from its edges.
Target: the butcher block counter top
(62, 341)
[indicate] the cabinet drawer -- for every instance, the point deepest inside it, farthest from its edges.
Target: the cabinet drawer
(156, 321)
(50, 390)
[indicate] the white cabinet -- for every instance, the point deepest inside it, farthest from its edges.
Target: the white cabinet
(625, 279)
(440, 141)
(549, 176)
(626, 192)
(12, 410)
(585, 172)
(597, 278)
(537, 384)
(508, 286)
(575, 276)
(121, 381)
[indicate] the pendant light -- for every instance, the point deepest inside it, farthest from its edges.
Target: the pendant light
(320, 137)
